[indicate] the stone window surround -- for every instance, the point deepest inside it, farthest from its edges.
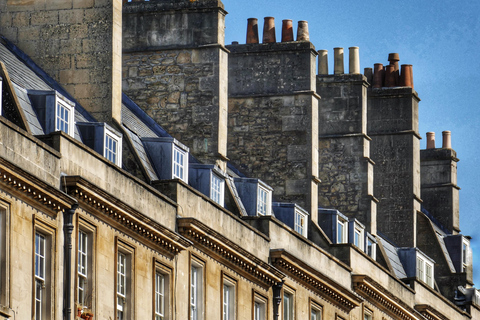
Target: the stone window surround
(197, 288)
(90, 231)
(259, 306)
(166, 272)
(128, 252)
(229, 297)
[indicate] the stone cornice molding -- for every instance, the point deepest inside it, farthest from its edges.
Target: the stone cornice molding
(313, 279)
(229, 253)
(128, 219)
(35, 190)
(382, 298)
(429, 313)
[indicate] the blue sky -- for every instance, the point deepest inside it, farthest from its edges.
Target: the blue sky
(441, 39)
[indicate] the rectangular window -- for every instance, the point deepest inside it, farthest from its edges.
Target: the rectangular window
(4, 253)
(288, 306)
(159, 296)
(341, 231)
(124, 283)
(217, 189)
(367, 315)
(64, 117)
(465, 249)
(196, 290)
(370, 248)
(180, 159)
(263, 201)
(82, 268)
(228, 305)
(40, 298)
(112, 149)
(259, 307)
(300, 223)
(43, 273)
(315, 312)
(425, 271)
(420, 268)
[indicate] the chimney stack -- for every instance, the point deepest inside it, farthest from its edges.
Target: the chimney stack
(338, 60)
(287, 30)
(430, 140)
(252, 30)
(269, 30)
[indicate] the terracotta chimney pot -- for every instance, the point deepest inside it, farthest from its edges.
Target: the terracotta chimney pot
(378, 75)
(430, 140)
(390, 76)
(322, 62)
(302, 31)
(269, 30)
(338, 61)
(447, 140)
(252, 30)
(393, 58)
(353, 60)
(406, 77)
(287, 30)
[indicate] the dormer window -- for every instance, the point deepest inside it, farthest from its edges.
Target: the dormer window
(217, 188)
(424, 270)
(180, 163)
(370, 246)
(465, 250)
(301, 222)
(264, 200)
(112, 150)
(342, 229)
(103, 139)
(64, 117)
(357, 233)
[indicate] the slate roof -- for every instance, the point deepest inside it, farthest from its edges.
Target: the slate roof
(392, 256)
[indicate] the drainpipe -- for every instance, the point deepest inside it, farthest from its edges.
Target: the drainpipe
(67, 284)
(277, 299)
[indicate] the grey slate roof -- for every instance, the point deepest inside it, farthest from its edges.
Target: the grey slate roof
(440, 234)
(392, 256)
(30, 115)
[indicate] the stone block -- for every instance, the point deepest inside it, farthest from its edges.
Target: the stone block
(294, 123)
(77, 4)
(44, 18)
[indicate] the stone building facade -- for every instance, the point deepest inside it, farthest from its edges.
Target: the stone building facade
(148, 171)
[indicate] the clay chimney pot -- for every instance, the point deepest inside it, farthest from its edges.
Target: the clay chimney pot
(338, 61)
(378, 75)
(447, 140)
(322, 62)
(287, 30)
(269, 30)
(252, 30)
(302, 31)
(430, 140)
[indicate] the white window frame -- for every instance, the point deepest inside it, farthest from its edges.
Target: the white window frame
(315, 311)
(288, 304)
(217, 188)
(465, 253)
(370, 244)
(160, 295)
(43, 276)
(4, 252)
(108, 133)
(259, 307)
(367, 314)
(179, 166)
(300, 222)
(82, 267)
(264, 201)
(70, 121)
(197, 275)
(228, 299)
(124, 294)
(424, 270)
(358, 235)
(341, 237)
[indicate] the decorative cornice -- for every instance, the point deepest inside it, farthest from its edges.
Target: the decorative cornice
(16, 179)
(382, 298)
(231, 254)
(310, 277)
(120, 214)
(429, 313)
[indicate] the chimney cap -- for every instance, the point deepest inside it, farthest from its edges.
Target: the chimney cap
(393, 57)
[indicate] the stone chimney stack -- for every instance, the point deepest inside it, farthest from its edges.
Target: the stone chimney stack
(395, 149)
(273, 115)
(178, 75)
(440, 193)
(78, 43)
(345, 167)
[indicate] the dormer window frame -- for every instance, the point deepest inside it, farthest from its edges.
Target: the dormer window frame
(341, 230)
(60, 120)
(465, 250)
(424, 269)
(370, 246)
(356, 233)
(264, 200)
(301, 222)
(179, 162)
(217, 187)
(116, 139)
